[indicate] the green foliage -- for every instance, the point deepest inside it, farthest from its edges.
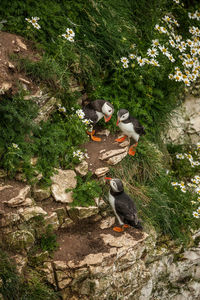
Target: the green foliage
(85, 191)
(15, 287)
(48, 240)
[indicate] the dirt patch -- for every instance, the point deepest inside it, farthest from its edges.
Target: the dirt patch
(84, 238)
(12, 190)
(94, 150)
(10, 77)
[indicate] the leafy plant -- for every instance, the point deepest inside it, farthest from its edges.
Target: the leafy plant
(48, 240)
(86, 191)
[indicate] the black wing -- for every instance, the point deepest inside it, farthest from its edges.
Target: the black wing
(90, 113)
(137, 126)
(126, 209)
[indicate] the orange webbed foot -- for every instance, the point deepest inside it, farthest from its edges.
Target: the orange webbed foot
(118, 229)
(95, 138)
(91, 132)
(121, 139)
(126, 226)
(132, 149)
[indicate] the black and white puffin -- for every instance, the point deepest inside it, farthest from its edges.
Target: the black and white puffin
(130, 127)
(122, 205)
(95, 111)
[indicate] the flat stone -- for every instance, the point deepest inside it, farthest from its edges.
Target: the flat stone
(107, 223)
(41, 193)
(65, 179)
(5, 86)
(60, 265)
(52, 220)
(105, 132)
(20, 199)
(112, 153)
(101, 171)
(31, 212)
(82, 212)
(125, 240)
(116, 159)
(21, 44)
(9, 219)
(64, 283)
(49, 272)
(125, 143)
(66, 223)
(82, 168)
(5, 187)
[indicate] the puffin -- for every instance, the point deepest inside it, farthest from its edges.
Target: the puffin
(95, 111)
(122, 205)
(131, 128)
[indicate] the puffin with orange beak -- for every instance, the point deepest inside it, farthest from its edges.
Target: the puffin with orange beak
(95, 111)
(122, 205)
(131, 128)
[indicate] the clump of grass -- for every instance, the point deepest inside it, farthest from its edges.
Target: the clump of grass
(48, 241)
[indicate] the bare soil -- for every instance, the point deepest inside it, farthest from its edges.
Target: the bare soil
(94, 150)
(84, 238)
(9, 47)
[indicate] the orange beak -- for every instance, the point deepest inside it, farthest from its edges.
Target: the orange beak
(107, 178)
(107, 118)
(117, 122)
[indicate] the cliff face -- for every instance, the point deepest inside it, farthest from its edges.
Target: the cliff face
(92, 261)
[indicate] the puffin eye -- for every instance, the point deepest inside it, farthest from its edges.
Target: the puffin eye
(109, 110)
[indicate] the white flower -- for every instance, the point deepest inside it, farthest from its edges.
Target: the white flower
(70, 39)
(197, 190)
(166, 19)
(174, 183)
(152, 52)
(192, 15)
(180, 156)
(62, 109)
(124, 60)
(198, 210)
(70, 32)
(15, 146)
(172, 43)
(183, 190)
(132, 56)
(125, 65)
(65, 35)
(195, 214)
(140, 61)
(155, 43)
(37, 26)
(154, 63)
(177, 1)
(80, 113)
(171, 76)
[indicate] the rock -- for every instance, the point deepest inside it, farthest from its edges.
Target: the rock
(107, 223)
(61, 213)
(64, 283)
(24, 80)
(65, 179)
(125, 143)
(60, 265)
(5, 86)
(5, 187)
(21, 262)
(20, 199)
(46, 110)
(21, 44)
(41, 193)
(66, 223)
(111, 153)
(10, 65)
(101, 171)
(20, 240)
(76, 213)
(9, 219)
(39, 258)
(105, 132)
(100, 203)
(52, 220)
(31, 212)
(116, 159)
(82, 168)
(49, 272)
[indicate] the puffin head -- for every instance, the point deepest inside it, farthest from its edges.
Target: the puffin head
(107, 110)
(115, 184)
(122, 115)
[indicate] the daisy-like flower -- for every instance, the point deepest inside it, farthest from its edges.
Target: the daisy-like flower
(70, 32)
(177, 78)
(163, 29)
(70, 39)
(65, 35)
(124, 60)
(125, 65)
(198, 199)
(171, 58)
(37, 26)
(80, 113)
(86, 121)
(157, 27)
(180, 156)
(186, 81)
(15, 146)
(154, 63)
(193, 202)
(155, 43)
(166, 19)
(197, 190)
(198, 210)
(132, 56)
(195, 214)
(152, 52)
(174, 183)
(140, 61)
(171, 76)
(192, 15)
(183, 190)
(62, 109)
(172, 43)
(177, 1)
(176, 23)
(163, 50)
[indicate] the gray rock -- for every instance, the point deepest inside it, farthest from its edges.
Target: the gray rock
(65, 179)
(82, 168)
(20, 199)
